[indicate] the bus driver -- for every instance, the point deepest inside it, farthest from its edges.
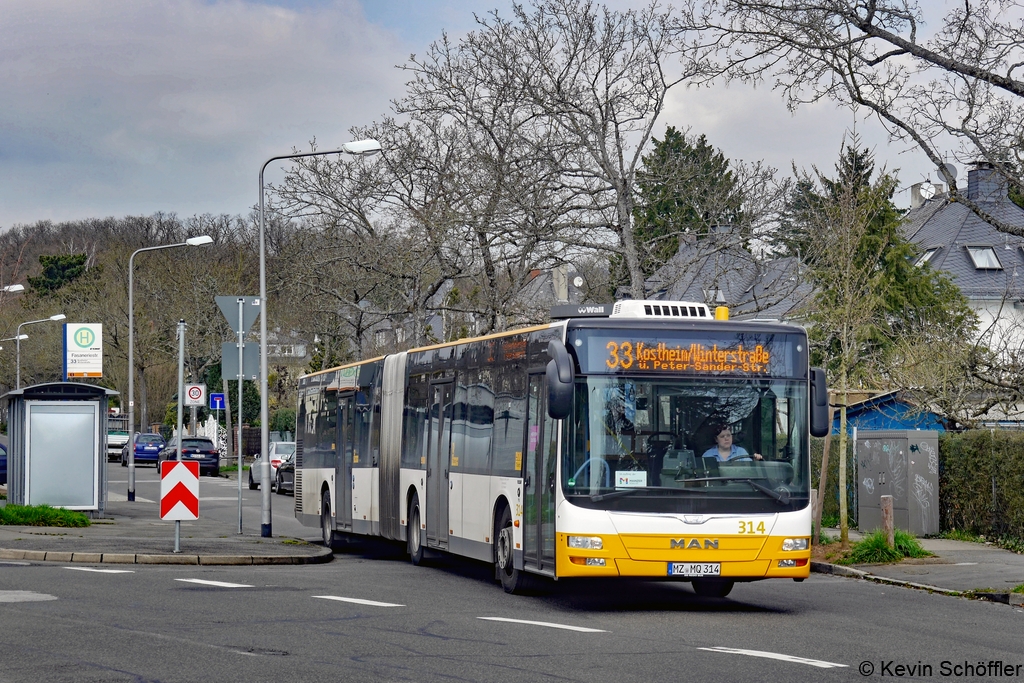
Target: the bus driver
(725, 450)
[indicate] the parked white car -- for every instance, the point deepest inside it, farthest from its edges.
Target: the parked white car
(279, 450)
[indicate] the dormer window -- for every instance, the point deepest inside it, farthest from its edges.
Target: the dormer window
(926, 256)
(984, 258)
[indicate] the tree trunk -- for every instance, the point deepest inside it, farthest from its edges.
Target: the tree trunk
(822, 479)
(844, 529)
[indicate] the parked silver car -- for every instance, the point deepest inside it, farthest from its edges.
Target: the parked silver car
(278, 451)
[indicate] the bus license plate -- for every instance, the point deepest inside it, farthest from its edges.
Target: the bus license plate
(694, 568)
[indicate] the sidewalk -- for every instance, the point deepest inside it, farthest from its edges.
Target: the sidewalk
(130, 534)
(958, 568)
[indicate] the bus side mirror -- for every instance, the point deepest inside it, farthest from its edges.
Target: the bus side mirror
(821, 425)
(561, 380)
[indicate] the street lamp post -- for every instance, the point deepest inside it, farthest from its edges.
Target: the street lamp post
(190, 242)
(18, 338)
(359, 148)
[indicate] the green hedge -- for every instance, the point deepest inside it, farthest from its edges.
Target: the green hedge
(981, 482)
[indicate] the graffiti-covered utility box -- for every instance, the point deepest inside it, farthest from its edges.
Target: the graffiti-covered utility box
(904, 464)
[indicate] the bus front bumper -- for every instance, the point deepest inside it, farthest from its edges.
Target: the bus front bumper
(738, 558)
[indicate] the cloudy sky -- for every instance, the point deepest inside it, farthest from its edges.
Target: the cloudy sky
(115, 107)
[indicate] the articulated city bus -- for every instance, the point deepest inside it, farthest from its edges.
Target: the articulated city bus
(595, 446)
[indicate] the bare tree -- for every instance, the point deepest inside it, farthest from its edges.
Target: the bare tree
(957, 93)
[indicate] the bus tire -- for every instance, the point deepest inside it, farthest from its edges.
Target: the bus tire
(325, 521)
(414, 541)
(512, 580)
(712, 588)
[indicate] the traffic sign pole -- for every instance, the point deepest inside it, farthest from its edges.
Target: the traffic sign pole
(248, 309)
(241, 348)
(181, 397)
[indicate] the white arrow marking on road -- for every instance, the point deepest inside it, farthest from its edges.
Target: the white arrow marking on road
(218, 584)
(102, 571)
(358, 601)
(775, 655)
(581, 629)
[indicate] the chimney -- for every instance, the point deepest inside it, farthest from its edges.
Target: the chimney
(560, 283)
(986, 184)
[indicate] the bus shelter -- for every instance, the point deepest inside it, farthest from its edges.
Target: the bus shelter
(57, 440)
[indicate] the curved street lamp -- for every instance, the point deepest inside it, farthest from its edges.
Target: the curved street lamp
(201, 240)
(367, 147)
(18, 337)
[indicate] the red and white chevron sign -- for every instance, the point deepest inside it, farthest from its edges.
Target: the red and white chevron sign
(179, 490)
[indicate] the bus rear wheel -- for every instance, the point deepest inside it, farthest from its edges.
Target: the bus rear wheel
(712, 588)
(325, 521)
(512, 580)
(414, 541)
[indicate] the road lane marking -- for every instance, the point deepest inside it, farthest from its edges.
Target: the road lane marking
(19, 564)
(581, 629)
(25, 596)
(218, 584)
(775, 655)
(964, 564)
(102, 571)
(358, 601)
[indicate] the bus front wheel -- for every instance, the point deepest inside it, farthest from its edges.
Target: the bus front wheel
(512, 580)
(414, 540)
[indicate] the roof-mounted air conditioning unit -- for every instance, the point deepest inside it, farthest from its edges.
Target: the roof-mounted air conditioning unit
(660, 309)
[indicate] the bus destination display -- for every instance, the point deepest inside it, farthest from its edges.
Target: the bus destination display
(742, 354)
(629, 355)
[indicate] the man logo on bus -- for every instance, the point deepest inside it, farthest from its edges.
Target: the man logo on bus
(694, 543)
(84, 337)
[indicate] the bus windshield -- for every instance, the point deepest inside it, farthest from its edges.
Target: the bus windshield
(687, 445)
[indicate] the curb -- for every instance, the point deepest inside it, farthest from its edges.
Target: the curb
(1013, 599)
(321, 556)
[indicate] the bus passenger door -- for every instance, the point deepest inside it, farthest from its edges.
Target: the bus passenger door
(439, 464)
(539, 482)
(343, 475)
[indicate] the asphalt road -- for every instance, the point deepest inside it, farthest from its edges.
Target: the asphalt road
(447, 622)
(371, 616)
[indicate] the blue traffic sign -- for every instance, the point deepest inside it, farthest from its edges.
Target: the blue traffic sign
(216, 401)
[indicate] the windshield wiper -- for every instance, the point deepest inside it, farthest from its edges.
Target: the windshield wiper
(780, 495)
(619, 493)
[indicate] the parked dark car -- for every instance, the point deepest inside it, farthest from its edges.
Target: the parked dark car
(195, 449)
(147, 449)
(284, 480)
(3, 464)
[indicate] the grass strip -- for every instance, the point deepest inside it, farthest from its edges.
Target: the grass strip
(41, 515)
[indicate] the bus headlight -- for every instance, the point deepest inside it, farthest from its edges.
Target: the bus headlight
(586, 542)
(794, 544)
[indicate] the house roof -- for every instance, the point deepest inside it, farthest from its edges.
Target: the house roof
(750, 286)
(952, 230)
